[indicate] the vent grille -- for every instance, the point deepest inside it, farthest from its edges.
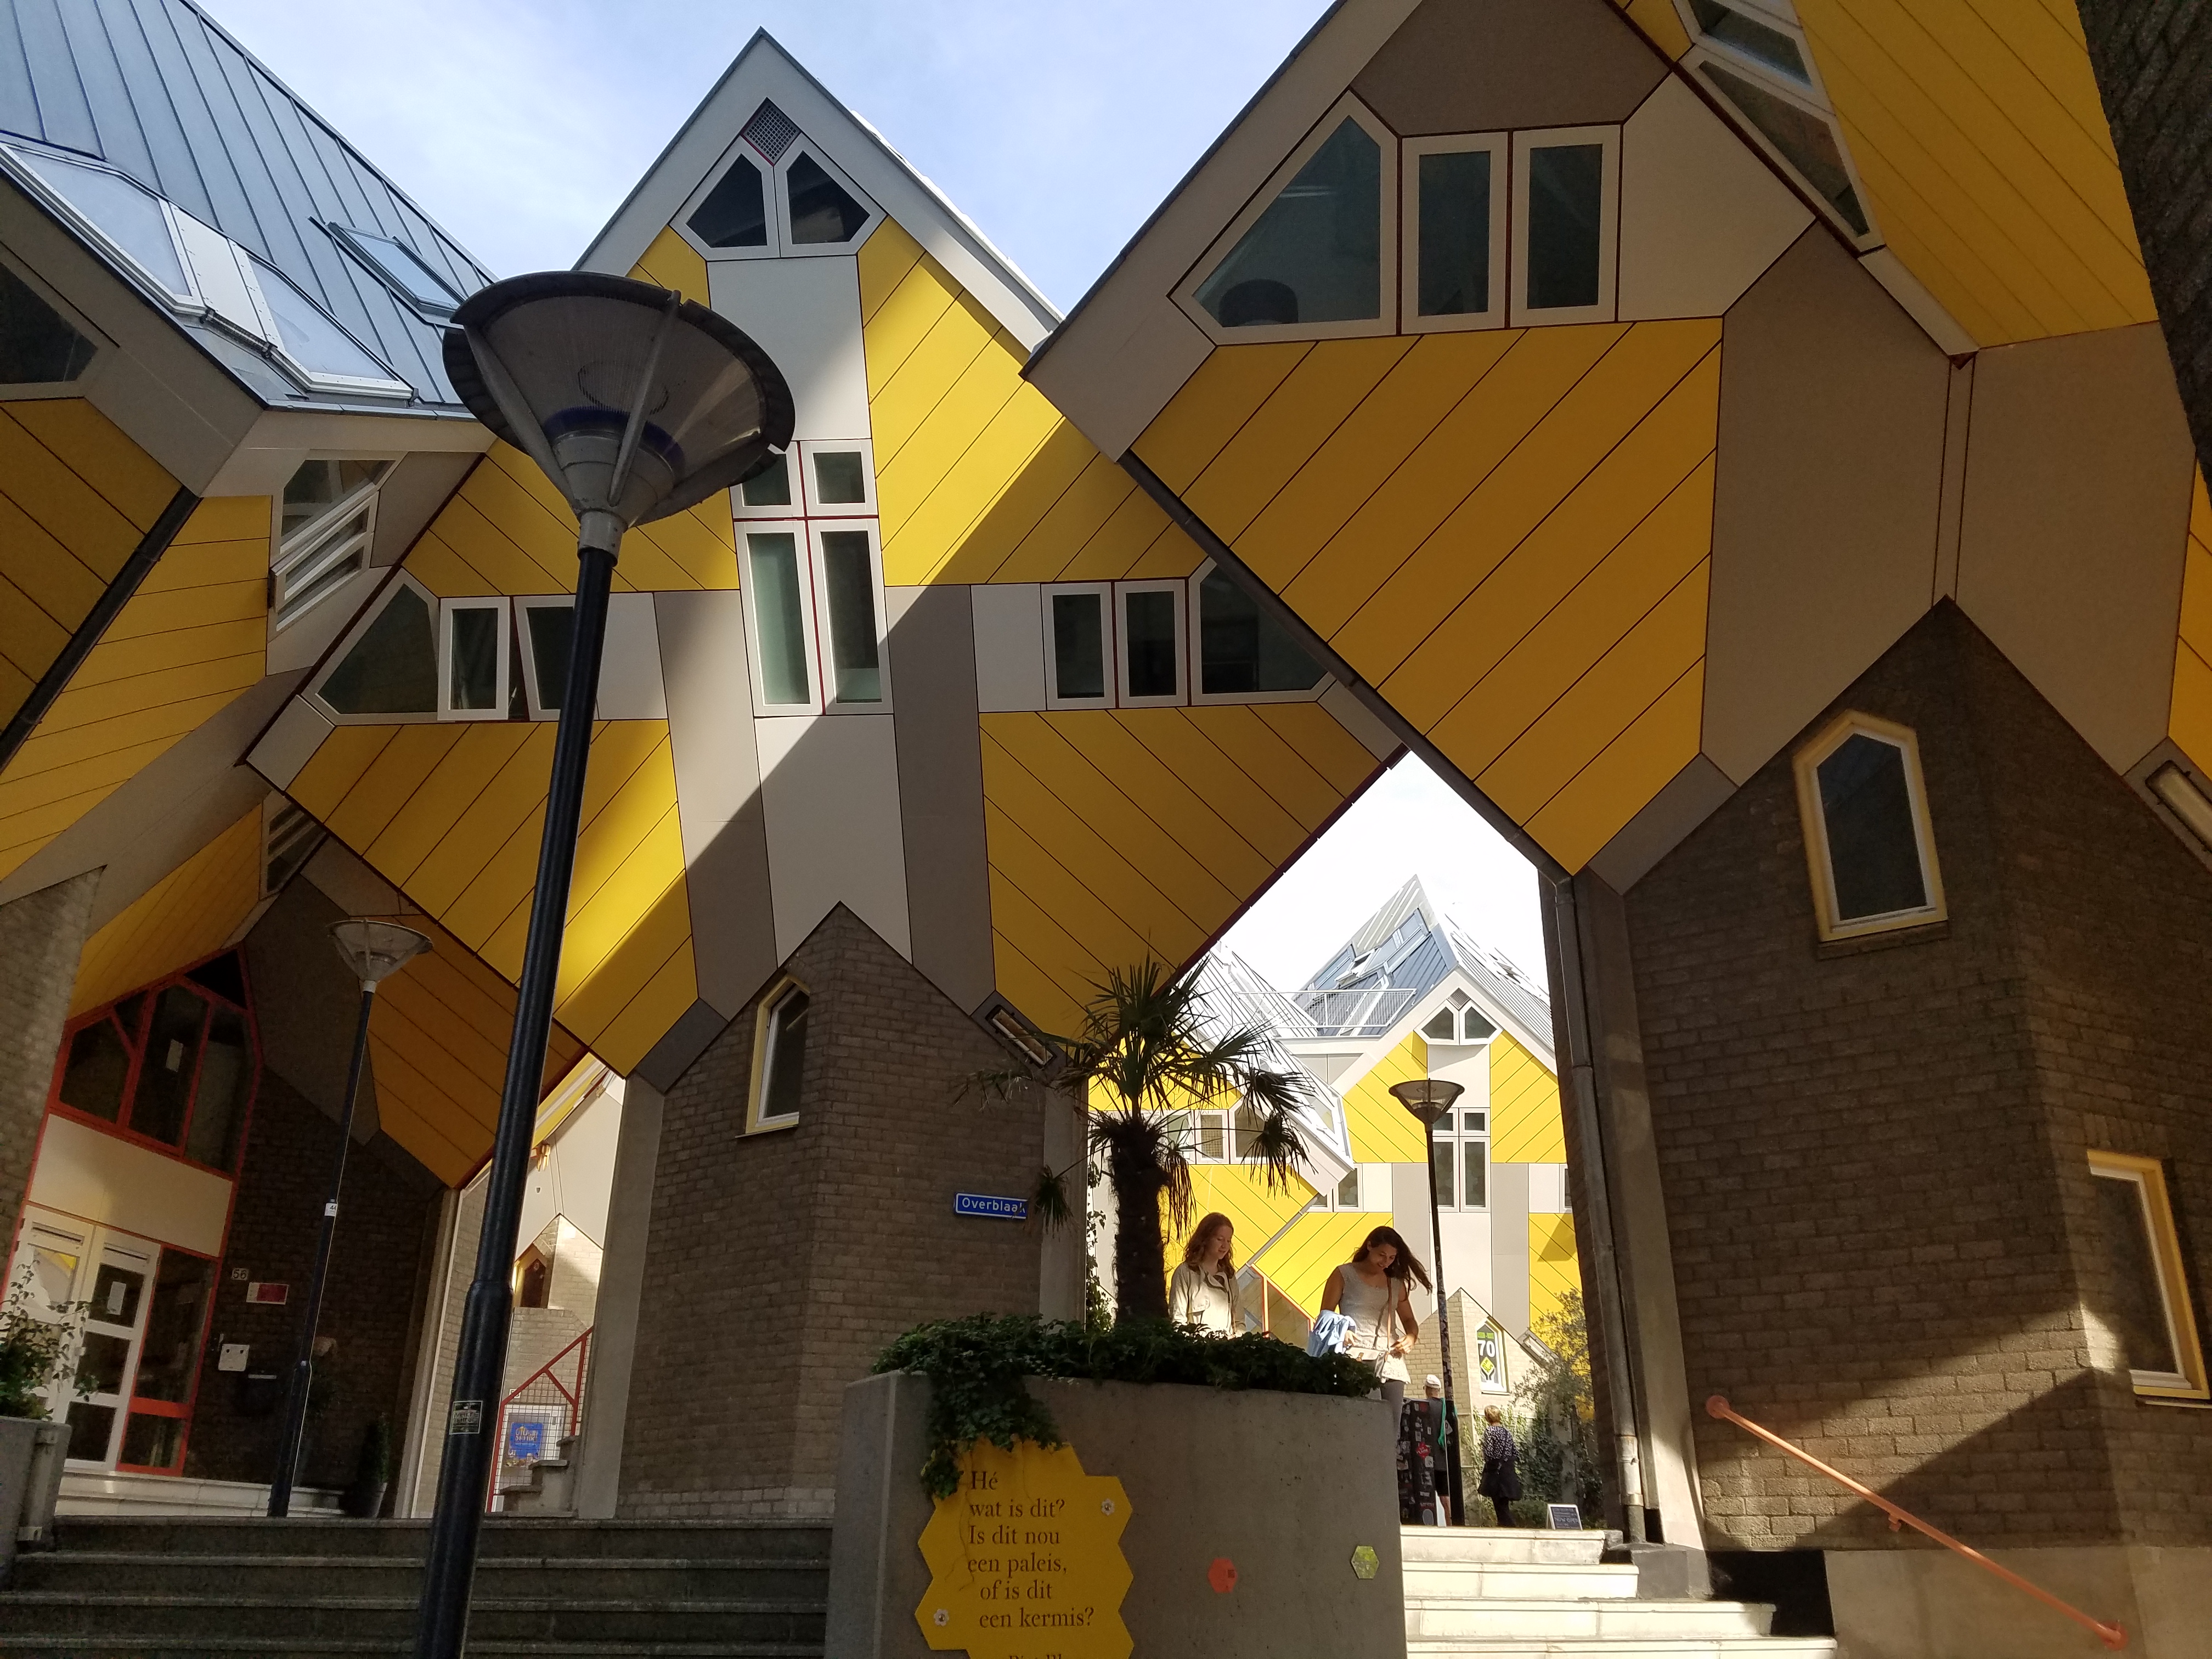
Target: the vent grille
(770, 132)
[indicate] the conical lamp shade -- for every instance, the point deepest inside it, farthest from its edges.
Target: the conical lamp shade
(637, 402)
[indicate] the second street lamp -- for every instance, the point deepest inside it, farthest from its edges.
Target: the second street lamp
(637, 403)
(1429, 1098)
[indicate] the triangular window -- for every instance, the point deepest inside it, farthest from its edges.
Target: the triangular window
(37, 346)
(735, 212)
(392, 668)
(821, 209)
(1315, 254)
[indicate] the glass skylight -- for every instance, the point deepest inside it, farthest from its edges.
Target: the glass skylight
(319, 347)
(404, 270)
(127, 214)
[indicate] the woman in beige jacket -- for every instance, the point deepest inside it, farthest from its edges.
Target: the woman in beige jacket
(1204, 1291)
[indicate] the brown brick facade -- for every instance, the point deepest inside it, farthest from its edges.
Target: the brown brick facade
(1874, 1161)
(778, 1265)
(41, 935)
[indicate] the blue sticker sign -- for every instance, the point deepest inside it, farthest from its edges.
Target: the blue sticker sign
(989, 1205)
(525, 1440)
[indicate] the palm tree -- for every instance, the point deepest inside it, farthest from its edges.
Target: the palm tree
(1145, 1059)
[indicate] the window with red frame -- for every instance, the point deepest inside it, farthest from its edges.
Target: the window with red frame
(175, 1064)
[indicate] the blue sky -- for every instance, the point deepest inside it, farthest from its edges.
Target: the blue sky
(521, 124)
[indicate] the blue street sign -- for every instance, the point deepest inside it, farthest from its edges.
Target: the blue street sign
(985, 1204)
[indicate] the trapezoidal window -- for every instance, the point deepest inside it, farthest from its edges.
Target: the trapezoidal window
(387, 667)
(734, 214)
(2141, 1296)
(1309, 263)
(175, 1064)
(780, 1058)
(1867, 843)
(37, 346)
(1243, 652)
(821, 209)
(324, 533)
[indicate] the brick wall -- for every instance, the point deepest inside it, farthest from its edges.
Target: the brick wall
(2153, 65)
(1873, 1161)
(386, 1233)
(41, 936)
(778, 1265)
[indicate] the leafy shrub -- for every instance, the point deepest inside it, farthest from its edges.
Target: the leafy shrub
(977, 1365)
(32, 1350)
(1554, 1423)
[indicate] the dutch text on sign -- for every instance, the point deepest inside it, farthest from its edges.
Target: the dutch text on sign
(990, 1205)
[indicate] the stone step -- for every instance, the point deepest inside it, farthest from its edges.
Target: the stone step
(217, 1620)
(1468, 1580)
(90, 1573)
(1527, 1619)
(1704, 1647)
(1499, 1544)
(501, 1536)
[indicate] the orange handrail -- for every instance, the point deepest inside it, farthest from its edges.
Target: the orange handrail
(2112, 1636)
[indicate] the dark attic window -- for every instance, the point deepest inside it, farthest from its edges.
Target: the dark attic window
(37, 346)
(821, 209)
(735, 212)
(1868, 840)
(1315, 255)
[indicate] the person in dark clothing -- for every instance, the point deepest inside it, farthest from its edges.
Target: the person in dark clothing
(1501, 1472)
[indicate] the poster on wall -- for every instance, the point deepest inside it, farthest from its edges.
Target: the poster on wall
(1490, 1358)
(1025, 1560)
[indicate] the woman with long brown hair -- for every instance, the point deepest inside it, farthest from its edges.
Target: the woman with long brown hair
(1374, 1291)
(1204, 1291)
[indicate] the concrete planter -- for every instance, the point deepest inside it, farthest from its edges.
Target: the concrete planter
(30, 1461)
(1284, 1485)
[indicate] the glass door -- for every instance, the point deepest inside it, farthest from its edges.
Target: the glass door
(168, 1363)
(114, 1326)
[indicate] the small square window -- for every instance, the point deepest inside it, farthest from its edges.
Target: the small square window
(2141, 1296)
(1347, 1191)
(767, 494)
(841, 477)
(780, 1058)
(1867, 843)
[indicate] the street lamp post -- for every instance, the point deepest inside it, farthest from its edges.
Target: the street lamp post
(637, 403)
(1428, 1099)
(374, 950)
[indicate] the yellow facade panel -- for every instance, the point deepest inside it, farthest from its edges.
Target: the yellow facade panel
(30, 639)
(1261, 751)
(456, 758)
(1324, 743)
(1600, 705)
(904, 318)
(1597, 803)
(1036, 993)
(963, 410)
(972, 447)
(672, 262)
(65, 502)
(189, 914)
(1106, 936)
(510, 778)
(985, 551)
(884, 260)
(1175, 739)
(1525, 1125)
(1171, 554)
(1560, 451)
(962, 332)
(1257, 1211)
(1318, 1242)
(1060, 973)
(662, 1001)
(696, 548)
(624, 935)
(1382, 1131)
(99, 453)
(633, 772)
(2196, 572)
(1113, 550)
(1554, 1272)
(1498, 412)
(2190, 723)
(1620, 495)
(1329, 382)
(391, 781)
(490, 560)
(1420, 390)
(1660, 23)
(1213, 406)
(1547, 655)
(337, 765)
(1099, 491)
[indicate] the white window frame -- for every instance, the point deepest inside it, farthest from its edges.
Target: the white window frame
(1186, 294)
(1107, 643)
(2147, 1176)
(818, 622)
(1194, 614)
(816, 507)
(321, 545)
(1812, 105)
(20, 162)
(797, 530)
(794, 508)
(1814, 823)
(780, 208)
(1520, 313)
(1499, 148)
(681, 223)
(758, 1122)
(1180, 589)
(338, 653)
(1767, 14)
(1456, 1139)
(533, 696)
(447, 610)
(102, 346)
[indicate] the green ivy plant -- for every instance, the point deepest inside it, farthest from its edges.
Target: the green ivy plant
(977, 1366)
(32, 1349)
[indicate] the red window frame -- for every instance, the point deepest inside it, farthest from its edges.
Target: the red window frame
(134, 1040)
(138, 1405)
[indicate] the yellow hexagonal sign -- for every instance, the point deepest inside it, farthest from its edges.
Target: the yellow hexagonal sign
(1025, 1560)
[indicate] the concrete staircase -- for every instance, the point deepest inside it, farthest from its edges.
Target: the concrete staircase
(143, 1588)
(1481, 1590)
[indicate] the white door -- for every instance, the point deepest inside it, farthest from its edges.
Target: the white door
(70, 1268)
